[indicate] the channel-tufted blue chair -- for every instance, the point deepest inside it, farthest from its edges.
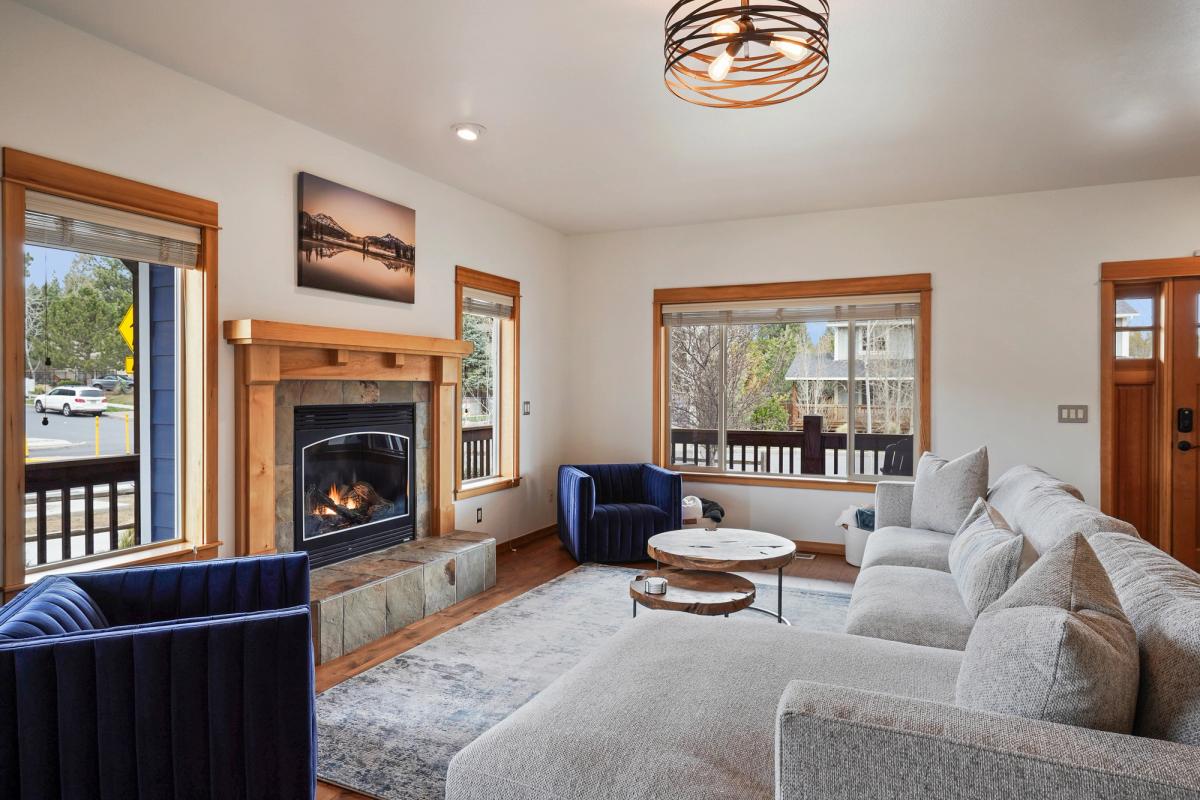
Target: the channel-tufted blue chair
(606, 512)
(187, 680)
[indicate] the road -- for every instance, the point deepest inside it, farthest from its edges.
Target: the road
(78, 434)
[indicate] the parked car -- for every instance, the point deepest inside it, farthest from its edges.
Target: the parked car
(110, 383)
(68, 400)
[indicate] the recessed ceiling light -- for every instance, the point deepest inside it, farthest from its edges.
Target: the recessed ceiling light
(468, 131)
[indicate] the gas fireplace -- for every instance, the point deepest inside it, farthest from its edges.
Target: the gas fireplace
(354, 479)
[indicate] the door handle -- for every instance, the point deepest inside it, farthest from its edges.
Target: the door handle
(1184, 446)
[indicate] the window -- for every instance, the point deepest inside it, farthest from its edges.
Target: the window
(118, 312)
(488, 310)
(762, 382)
(1134, 322)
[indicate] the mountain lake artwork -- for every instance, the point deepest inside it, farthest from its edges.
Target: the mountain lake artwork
(354, 243)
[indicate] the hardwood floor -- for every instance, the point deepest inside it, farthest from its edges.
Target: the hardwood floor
(518, 570)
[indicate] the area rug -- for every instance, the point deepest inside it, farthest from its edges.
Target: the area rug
(391, 731)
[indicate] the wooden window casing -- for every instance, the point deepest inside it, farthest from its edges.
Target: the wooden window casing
(24, 172)
(508, 432)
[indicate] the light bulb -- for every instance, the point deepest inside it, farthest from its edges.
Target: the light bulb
(720, 65)
(726, 27)
(790, 48)
(468, 131)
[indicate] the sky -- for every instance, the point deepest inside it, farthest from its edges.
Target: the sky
(47, 264)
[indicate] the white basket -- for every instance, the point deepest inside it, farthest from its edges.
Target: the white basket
(856, 543)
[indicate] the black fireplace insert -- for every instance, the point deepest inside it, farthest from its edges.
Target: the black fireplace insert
(354, 479)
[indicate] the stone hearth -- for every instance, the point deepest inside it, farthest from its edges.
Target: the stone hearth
(357, 601)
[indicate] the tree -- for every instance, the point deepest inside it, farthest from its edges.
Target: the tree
(479, 370)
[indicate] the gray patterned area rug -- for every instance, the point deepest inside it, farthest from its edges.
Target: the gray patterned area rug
(391, 731)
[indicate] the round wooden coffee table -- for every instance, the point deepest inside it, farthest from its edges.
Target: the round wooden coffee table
(694, 591)
(726, 550)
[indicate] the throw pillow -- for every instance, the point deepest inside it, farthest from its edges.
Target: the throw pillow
(944, 491)
(1055, 647)
(985, 557)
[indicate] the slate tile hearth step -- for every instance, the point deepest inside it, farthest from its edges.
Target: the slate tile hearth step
(357, 601)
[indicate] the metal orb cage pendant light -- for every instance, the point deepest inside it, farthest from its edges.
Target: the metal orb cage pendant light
(739, 54)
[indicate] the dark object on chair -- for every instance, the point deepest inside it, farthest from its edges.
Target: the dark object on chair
(711, 509)
(898, 458)
(188, 680)
(606, 512)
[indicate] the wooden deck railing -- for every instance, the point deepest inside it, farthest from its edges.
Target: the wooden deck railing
(79, 484)
(805, 452)
(476, 452)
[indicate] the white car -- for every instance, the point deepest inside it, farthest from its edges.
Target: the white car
(68, 400)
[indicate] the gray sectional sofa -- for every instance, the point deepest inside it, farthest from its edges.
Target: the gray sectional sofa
(680, 707)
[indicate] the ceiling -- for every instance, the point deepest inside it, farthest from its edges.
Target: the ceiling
(925, 100)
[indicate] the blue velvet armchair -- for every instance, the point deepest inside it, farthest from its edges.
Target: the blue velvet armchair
(189, 680)
(606, 512)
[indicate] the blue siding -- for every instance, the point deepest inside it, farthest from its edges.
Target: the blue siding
(160, 352)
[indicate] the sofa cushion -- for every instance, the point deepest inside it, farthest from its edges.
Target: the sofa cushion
(1161, 597)
(679, 706)
(1056, 647)
(908, 604)
(985, 556)
(908, 547)
(49, 607)
(944, 491)
(1046, 510)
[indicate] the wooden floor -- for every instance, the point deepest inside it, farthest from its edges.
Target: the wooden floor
(517, 571)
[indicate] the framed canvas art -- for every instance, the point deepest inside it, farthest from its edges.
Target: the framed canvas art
(354, 243)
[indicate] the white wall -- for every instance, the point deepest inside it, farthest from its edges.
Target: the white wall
(73, 97)
(1015, 319)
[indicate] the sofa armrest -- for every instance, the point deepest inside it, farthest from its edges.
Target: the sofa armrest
(664, 489)
(198, 588)
(893, 504)
(576, 503)
(216, 708)
(837, 743)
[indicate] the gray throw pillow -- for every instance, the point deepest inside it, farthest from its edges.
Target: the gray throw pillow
(944, 491)
(985, 557)
(1055, 647)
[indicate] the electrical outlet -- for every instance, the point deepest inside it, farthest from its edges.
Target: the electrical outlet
(1073, 414)
(525, 409)
(478, 515)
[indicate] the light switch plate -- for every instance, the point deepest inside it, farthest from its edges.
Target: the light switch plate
(1073, 414)
(525, 409)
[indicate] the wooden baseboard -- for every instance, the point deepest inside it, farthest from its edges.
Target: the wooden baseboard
(823, 548)
(532, 536)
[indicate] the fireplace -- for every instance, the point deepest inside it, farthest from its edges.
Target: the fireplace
(354, 479)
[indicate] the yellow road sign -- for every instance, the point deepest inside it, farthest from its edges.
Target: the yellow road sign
(126, 329)
(129, 364)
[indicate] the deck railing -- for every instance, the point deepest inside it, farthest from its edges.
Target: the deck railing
(93, 486)
(804, 452)
(476, 452)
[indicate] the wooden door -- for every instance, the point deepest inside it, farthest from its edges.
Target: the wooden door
(1184, 419)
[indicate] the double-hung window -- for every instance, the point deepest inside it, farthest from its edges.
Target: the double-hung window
(826, 386)
(489, 311)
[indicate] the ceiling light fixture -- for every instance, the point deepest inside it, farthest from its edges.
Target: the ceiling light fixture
(468, 131)
(738, 54)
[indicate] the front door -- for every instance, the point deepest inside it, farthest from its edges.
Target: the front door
(1184, 381)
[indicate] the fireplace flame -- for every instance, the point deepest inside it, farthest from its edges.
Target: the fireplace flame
(349, 502)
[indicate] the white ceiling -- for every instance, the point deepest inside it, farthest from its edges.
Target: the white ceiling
(926, 99)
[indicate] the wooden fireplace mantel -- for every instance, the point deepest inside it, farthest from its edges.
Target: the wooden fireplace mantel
(267, 352)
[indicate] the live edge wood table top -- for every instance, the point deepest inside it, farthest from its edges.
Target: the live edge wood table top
(724, 549)
(695, 592)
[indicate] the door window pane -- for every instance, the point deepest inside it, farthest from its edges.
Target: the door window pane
(1135, 327)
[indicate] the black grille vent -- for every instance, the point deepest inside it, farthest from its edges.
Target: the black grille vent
(311, 418)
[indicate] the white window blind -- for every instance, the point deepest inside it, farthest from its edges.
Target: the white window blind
(800, 310)
(487, 304)
(66, 224)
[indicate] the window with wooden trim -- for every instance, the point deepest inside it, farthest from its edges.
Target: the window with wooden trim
(822, 382)
(109, 371)
(488, 314)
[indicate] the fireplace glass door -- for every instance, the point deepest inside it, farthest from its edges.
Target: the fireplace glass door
(354, 479)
